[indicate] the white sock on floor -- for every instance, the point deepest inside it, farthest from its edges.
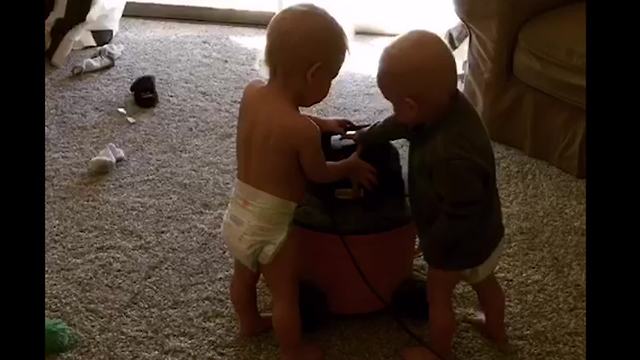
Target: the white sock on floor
(105, 58)
(118, 154)
(103, 163)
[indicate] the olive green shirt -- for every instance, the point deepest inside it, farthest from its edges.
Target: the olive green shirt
(452, 185)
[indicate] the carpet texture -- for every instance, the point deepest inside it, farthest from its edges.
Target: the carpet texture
(134, 260)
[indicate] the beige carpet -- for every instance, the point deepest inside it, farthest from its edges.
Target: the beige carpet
(134, 261)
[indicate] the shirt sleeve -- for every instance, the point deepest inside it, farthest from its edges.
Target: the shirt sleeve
(382, 131)
(460, 185)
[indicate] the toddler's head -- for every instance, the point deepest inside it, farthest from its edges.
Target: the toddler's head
(305, 50)
(417, 74)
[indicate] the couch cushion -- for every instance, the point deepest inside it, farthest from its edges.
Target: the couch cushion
(550, 53)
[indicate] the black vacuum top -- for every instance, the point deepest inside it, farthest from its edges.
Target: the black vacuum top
(382, 209)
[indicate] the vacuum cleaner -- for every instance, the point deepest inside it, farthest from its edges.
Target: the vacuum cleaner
(409, 300)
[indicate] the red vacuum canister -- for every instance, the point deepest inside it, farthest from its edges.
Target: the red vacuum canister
(376, 225)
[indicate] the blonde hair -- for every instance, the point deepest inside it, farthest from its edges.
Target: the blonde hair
(302, 35)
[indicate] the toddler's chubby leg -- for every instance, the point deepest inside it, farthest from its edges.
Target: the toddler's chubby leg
(442, 326)
(244, 299)
(442, 322)
(490, 322)
(281, 276)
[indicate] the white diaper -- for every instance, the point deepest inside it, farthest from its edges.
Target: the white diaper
(256, 225)
(482, 271)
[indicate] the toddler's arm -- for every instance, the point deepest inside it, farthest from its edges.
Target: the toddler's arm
(381, 131)
(317, 169)
(331, 125)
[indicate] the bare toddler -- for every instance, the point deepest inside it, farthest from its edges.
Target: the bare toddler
(278, 150)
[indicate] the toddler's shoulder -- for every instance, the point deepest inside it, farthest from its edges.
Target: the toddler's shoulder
(254, 84)
(251, 96)
(302, 131)
(251, 88)
(303, 127)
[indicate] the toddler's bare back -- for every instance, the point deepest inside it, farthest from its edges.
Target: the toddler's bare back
(267, 143)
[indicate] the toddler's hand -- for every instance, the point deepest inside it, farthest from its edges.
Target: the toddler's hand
(361, 172)
(351, 135)
(336, 126)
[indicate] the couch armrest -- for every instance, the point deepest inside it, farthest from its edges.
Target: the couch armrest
(494, 26)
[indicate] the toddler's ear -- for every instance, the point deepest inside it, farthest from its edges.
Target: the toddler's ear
(312, 72)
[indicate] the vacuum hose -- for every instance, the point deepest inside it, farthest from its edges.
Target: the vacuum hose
(375, 292)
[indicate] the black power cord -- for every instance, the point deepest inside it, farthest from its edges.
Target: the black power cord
(375, 292)
(387, 306)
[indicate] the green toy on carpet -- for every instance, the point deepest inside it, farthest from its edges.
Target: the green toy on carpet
(58, 337)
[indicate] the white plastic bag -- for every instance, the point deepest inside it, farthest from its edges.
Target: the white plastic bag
(102, 15)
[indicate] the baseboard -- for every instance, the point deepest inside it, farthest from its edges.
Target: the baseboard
(197, 13)
(148, 9)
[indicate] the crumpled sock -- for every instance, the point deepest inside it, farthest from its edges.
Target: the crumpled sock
(117, 153)
(106, 159)
(103, 163)
(104, 58)
(112, 51)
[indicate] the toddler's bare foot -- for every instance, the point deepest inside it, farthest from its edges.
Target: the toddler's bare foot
(418, 353)
(495, 336)
(305, 352)
(257, 327)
